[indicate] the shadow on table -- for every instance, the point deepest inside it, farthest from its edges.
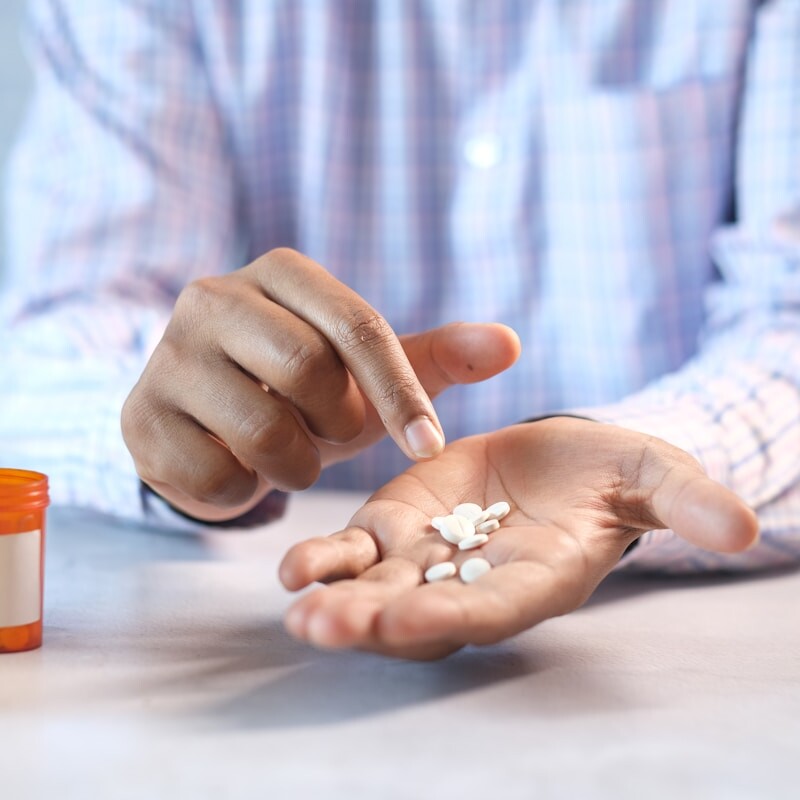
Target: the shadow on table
(331, 688)
(326, 688)
(255, 676)
(621, 586)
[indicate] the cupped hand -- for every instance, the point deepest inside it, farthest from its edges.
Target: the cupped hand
(268, 374)
(580, 493)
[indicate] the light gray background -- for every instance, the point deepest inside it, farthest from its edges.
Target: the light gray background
(15, 87)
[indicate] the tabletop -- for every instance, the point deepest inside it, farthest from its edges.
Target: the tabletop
(166, 672)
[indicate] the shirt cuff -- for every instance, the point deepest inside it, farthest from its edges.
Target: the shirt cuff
(160, 513)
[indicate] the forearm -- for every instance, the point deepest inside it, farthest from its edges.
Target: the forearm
(736, 406)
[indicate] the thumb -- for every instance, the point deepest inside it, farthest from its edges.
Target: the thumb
(704, 512)
(460, 352)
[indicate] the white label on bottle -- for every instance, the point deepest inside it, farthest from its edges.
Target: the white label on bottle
(20, 578)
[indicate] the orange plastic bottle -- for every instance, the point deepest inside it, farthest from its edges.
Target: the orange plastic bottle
(23, 503)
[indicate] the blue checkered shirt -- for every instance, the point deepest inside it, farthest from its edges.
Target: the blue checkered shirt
(618, 180)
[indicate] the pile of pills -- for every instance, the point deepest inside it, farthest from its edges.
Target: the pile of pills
(467, 527)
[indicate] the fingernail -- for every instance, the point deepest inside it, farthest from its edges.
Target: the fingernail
(423, 438)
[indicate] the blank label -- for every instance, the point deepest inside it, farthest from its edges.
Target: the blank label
(20, 578)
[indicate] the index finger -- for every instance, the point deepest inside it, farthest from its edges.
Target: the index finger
(363, 340)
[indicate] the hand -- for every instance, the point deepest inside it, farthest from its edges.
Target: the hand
(580, 493)
(268, 374)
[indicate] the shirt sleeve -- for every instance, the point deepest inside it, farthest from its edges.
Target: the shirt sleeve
(736, 405)
(120, 192)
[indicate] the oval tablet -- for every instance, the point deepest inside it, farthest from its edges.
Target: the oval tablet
(440, 572)
(470, 511)
(482, 517)
(436, 522)
(455, 528)
(471, 542)
(473, 568)
(498, 510)
(489, 526)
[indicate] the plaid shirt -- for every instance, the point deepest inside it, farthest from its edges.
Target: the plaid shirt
(618, 180)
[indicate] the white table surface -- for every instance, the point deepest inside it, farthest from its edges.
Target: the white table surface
(166, 673)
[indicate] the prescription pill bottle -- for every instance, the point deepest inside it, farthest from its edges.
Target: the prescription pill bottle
(23, 501)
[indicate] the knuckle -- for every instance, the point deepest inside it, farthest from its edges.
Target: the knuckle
(148, 434)
(198, 295)
(131, 418)
(275, 447)
(140, 422)
(279, 255)
(260, 434)
(269, 264)
(216, 486)
(398, 390)
(311, 361)
(200, 301)
(362, 328)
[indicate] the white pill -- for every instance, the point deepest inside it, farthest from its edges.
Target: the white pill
(473, 568)
(489, 526)
(455, 528)
(471, 542)
(470, 511)
(498, 510)
(436, 522)
(440, 572)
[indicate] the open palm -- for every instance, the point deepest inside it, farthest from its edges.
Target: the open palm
(580, 493)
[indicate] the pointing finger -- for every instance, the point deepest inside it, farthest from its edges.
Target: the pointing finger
(363, 340)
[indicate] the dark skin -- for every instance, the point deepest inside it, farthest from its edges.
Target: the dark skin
(206, 436)
(269, 374)
(580, 493)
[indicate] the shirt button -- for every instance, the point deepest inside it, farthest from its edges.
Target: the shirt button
(482, 152)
